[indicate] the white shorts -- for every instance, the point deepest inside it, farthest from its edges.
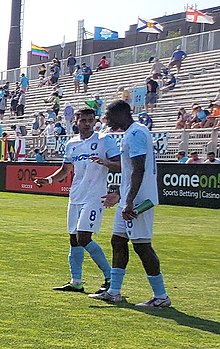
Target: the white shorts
(85, 217)
(135, 229)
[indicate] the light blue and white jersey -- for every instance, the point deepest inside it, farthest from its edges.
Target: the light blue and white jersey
(137, 141)
(90, 179)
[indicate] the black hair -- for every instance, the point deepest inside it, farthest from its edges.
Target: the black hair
(84, 111)
(211, 153)
(118, 113)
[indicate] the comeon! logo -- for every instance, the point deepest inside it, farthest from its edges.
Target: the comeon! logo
(185, 180)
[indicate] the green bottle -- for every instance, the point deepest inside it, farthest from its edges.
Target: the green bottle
(143, 206)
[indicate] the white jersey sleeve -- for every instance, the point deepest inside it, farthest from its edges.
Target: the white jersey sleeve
(137, 143)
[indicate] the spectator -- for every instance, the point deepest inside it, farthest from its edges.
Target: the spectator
(194, 159)
(199, 116)
(55, 74)
(213, 117)
(24, 82)
(19, 143)
(39, 155)
(181, 157)
(211, 159)
(2, 103)
(145, 119)
(176, 59)
(59, 130)
(21, 103)
(99, 104)
(98, 124)
(56, 103)
(156, 69)
(86, 72)
(68, 114)
(42, 70)
(71, 61)
(151, 94)
(35, 129)
(169, 84)
(183, 119)
(123, 94)
(77, 77)
(103, 63)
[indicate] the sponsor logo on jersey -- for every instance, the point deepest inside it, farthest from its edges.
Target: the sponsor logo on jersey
(83, 157)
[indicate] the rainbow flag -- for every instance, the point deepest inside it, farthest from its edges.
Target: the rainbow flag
(39, 51)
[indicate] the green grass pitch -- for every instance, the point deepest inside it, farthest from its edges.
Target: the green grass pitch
(33, 259)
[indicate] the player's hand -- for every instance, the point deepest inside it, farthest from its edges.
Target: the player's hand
(111, 199)
(41, 182)
(128, 212)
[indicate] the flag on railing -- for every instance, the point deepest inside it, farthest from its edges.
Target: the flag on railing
(196, 16)
(39, 51)
(101, 33)
(148, 26)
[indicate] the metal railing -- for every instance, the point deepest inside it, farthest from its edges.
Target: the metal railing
(200, 140)
(202, 42)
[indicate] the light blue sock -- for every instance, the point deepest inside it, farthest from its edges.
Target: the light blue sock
(117, 276)
(75, 258)
(157, 285)
(97, 254)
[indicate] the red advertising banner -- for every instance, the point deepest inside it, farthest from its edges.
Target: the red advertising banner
(21, 178)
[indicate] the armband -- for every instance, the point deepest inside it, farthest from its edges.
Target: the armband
(50, 180)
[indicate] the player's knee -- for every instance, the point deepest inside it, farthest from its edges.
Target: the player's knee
(118, 243)
(84, 239)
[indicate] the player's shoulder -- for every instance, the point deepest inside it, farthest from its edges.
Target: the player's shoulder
(73, 141)
(137, 129)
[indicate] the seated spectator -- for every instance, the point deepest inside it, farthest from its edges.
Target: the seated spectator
(156, 69)
(183, 119)
(211, 159)
(124, 94)
(68, 114)
(35, 129)
(75, 128)
(199, 116)
(39, 155)
(59, 130)
(169, 84)
(214, 116)
(77, 78)
(103, 64)
(181, 157)
(98, 124)
(42, 70)
(145, 119)
(194, 159)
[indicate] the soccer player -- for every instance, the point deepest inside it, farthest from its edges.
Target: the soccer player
(138, 183)
(92, 155)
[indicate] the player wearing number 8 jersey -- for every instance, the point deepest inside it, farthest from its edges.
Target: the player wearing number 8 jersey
(92, 155)
(138, 183)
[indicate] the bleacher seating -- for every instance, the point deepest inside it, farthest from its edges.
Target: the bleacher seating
(197, 82)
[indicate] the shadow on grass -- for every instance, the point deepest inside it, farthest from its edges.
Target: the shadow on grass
(174, 314)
